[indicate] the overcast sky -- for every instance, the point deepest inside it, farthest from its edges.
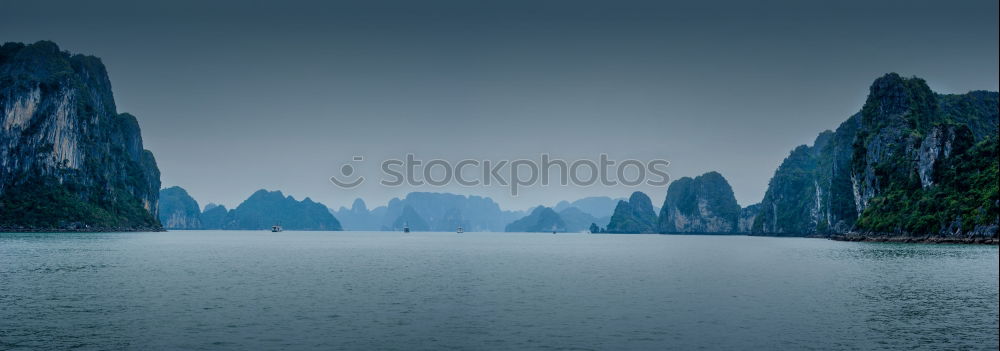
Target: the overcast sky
(237, 96)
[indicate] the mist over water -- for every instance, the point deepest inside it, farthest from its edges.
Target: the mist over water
(384, 290)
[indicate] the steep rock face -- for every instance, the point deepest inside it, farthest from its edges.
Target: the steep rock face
(178, 210)
(896, 111)
(894, 153)
(811, 192)
(790, 205)
(705, 204)
(907, 154)
(635, 216)
(747, 216)
(68, 159)
(542, 219)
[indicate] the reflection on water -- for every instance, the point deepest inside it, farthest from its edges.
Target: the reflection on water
(306, 290)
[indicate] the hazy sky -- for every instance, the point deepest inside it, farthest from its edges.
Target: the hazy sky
(237, 96)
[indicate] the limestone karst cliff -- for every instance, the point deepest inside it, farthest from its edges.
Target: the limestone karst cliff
(178, 210)
(635, 216)
(704, 204)
(911, 163)
(68, 159)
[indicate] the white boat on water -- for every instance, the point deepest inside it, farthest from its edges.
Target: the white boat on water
(460, 230)
(275, 228)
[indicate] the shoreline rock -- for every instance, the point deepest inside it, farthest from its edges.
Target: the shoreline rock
(982, 240)
(80, 230)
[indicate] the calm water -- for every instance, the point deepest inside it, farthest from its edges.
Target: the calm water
(355, 290)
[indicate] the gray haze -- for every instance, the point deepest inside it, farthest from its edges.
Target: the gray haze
(243, 95)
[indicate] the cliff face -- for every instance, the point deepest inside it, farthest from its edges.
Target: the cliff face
(705, 204)
(926, 164)
(899, 154)
(747, 216)
(68, 159)
(635, 216)
(811, 192)
(178, 210)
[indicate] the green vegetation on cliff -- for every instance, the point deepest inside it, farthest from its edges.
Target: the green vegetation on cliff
(178, 210)
(71, 161)
(962, 201)
(635, 216)
(911, 163)
(704, 204)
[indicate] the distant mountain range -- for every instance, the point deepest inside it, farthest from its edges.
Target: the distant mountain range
(597, 206)
(446, 212)
(438, 211)
(420, 211)
(358, 217)
(261, 210)
(541, 219)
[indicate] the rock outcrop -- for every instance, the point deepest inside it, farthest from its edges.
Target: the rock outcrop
(178, 210)
(747, 216)
(635, 216)
(704, 204)
(68, 159)
(893, 169)
(542, 219)
(266, 208)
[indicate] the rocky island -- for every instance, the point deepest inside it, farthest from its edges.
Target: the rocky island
(70, 160)
(913, 165)
(704, 204)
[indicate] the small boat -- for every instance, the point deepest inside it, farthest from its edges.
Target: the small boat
(406, 228)
(275, 228)
(460, 230)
